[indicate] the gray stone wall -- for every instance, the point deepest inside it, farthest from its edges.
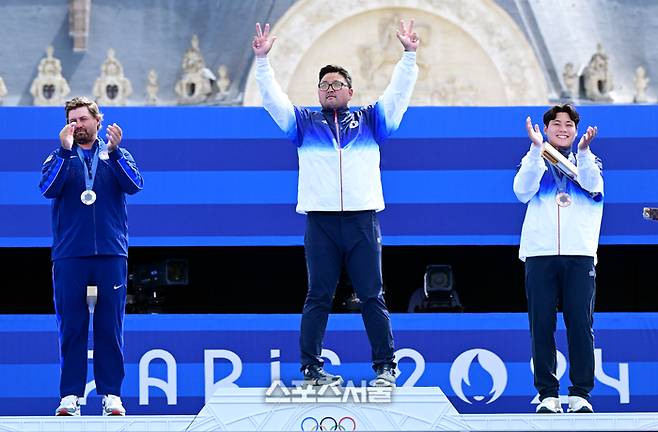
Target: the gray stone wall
(146, 34)
(627, 29)
(154, 34)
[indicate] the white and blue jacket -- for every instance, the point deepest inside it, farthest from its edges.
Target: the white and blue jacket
(339, 150)
(81, 230)
(549, 229)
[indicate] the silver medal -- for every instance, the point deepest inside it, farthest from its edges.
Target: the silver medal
(88, 197)
(563, 199)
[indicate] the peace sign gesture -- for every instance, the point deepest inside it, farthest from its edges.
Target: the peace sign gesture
(408, 37)
(262, 43)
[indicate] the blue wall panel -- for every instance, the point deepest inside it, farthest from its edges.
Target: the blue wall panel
(481, 361)
(228, 176)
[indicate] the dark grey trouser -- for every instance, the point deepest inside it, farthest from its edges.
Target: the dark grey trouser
(571, 281)
(350, 239)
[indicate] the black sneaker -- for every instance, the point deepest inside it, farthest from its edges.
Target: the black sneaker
(315, 375)
(385, 376)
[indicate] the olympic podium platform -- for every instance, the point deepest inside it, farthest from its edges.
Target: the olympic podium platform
(409, 409)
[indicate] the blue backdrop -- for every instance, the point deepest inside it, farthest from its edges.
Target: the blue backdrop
(481, 361)
(227, 176)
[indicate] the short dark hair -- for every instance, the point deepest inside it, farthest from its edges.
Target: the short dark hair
(340, 70)
(565, 108)
(82, 101)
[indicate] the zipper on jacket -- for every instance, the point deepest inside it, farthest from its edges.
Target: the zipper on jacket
(340, 158)
(558, 229)
(93, 217)
(93, 212)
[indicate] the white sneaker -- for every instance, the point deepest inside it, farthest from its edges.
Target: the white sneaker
(385, 377)
(579, 404)
(550, 405)
(112, 406)
(68, 406)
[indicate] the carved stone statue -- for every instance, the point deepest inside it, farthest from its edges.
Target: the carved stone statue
(49, 87)
(223, 81)
(641, 83)
(112, 88)
(376, 62)
(3, 89)
(570, 79)
(196, 83)
(152, 88)
(597, 80)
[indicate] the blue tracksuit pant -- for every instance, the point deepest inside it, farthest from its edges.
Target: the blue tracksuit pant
(333, 240)
(70, 279)
(569, 280)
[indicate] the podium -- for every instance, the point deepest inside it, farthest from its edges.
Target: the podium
(409, 408)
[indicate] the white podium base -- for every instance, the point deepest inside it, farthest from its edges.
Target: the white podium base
(417, 409)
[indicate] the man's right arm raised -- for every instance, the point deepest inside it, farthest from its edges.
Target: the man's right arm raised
(275, 101)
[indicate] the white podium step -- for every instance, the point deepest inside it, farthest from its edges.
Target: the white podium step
(96, 424)
(251, 409)
(417, 409)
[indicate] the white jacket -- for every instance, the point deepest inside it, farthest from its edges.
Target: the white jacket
(549, 229)
(339, 150)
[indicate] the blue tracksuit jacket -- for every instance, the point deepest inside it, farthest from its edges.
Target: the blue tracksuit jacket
(101, 228)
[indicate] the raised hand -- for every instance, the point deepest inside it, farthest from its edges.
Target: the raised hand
(534, 133)
(113, 137)
(66, 136)
(407, 36)
(587, 137)
(262, 43)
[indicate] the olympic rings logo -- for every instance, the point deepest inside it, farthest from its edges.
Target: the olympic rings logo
(328, 424)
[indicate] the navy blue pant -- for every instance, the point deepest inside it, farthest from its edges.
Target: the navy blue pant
(70, 279)
(569, 280)
(352, 240)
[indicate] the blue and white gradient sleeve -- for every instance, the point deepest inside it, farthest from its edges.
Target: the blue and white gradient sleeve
(395, 100)
(590, 175)
(528, 178)
(125, 169)
(275, 101)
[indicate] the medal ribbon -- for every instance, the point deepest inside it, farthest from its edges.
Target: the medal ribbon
(560, 179)
(91, 174)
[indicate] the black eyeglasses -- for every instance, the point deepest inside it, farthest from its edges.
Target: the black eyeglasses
(336, 85)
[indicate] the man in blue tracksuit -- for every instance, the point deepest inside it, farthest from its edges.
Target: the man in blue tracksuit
(340, 191)
(559, 239)
(88, 179)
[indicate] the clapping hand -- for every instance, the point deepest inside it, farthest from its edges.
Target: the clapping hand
(534, 133)
(587, 137)
(113, 137)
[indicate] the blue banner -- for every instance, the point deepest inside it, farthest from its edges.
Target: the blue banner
(447, 175)
(481, 361)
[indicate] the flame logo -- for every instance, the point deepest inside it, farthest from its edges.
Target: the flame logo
(489, 362)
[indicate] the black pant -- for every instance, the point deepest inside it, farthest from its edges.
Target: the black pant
(353, 240)
(571, 281)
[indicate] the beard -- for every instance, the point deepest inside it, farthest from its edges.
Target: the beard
(82, 136)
